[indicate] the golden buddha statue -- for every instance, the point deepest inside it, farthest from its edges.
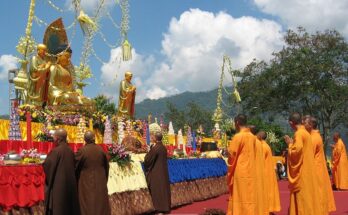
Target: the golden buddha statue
(38, 77)
(126, 97)
(61, 88)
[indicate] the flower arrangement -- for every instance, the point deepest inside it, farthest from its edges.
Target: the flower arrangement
(43, 136)
(30, 156)
(58, 117)
(195, 154)
(119, 155)
(177, 154)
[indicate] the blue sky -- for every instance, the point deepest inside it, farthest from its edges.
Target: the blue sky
(177, 45)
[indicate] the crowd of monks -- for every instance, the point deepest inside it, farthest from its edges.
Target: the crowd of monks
(251, 174)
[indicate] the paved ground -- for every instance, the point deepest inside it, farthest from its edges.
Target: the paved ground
(341, 198)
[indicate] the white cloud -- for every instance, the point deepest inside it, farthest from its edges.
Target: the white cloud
(311, 14)
(7, 62)
(113, 72)
(155, 93)
(193, 48)
(196, 42)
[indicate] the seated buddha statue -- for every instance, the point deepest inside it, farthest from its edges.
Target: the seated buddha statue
(61, 88)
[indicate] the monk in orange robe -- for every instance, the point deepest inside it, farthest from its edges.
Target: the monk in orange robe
(339, 163)
(241, 176)
(262, 206)
(325, 193)
(302, 178)
(271, 183)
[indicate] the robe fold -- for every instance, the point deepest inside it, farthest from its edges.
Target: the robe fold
(241, 175)
(262, 206)
(92, 171)
(157, 177)
(60, 183)
(271, 183)
(325, 193)
(303, 184)
(340, 165)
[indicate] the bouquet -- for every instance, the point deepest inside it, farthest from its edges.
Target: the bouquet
(30, 156)
(119, 155)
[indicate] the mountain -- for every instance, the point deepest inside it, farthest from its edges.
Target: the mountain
(5, 116)
(206, 100)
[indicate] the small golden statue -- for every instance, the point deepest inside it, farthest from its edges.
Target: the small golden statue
(126, 97)
(38, 77)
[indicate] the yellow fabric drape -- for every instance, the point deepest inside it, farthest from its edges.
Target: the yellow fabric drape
(36, 127)
(126, 179)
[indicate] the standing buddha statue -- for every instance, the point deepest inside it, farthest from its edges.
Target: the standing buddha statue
(38, 77)
(126, 97)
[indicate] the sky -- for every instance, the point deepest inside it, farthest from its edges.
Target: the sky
(178, 45)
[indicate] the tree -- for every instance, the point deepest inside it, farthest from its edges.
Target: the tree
(199, 116)
(309, 75)
(279, 145)
(175, 115)
(193, 115)
(104, 105)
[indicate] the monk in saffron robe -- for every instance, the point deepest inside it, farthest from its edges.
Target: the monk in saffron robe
(340, 163)
(271, 183)
(60, 182)
(92, 171)
(262, 207)
(302, 178)
(325, 193)
(241, 176)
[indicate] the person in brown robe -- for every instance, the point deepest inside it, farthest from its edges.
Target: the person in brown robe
(60, 183)
(92, 172)
(157, 176)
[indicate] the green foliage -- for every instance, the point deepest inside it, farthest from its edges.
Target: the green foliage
(308, 75)
(193, 115)
(280, 144)
(104, 105)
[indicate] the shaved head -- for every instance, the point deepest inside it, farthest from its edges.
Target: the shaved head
(158, 137)
(60, 136)
(314, 122)
(241, 119)
(252, 129)
(295, 118)
(336, 136)
(262, 135)
(306, 121)
(89, 137)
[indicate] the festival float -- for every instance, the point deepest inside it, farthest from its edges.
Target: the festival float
(48, 94)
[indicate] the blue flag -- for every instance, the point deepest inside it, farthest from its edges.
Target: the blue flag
(194, 141)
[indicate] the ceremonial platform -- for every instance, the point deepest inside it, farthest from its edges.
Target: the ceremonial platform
(22, 186)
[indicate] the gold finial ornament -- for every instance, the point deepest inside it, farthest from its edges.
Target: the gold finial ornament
(126, 51)
(21, 80)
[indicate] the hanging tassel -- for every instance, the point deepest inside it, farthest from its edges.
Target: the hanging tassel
(87, 24)
(126, 51)
(236, 95)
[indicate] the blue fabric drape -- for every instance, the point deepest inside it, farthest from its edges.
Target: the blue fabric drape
(193, 169)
